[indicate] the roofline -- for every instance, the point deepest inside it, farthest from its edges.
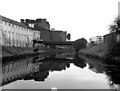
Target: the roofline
(13, 22)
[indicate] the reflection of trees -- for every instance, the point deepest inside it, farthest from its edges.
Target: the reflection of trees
(44, 68)
(79, 62)
(113, 73)
(53, 63)
(96, 66)
(41, 76)
(57, 66)
(79, 44)
(114, 55)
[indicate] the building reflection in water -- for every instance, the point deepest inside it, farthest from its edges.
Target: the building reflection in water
(49, 64)
(14, 70)
(39, 67)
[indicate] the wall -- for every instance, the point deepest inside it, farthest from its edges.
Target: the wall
(36, 23)
(36, 35)
(16, 34)
(110, 40)
(42, 23)
(45, 34)
(0, 30)
(58, 36)
(18, 69)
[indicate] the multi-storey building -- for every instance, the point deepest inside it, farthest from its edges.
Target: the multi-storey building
(41, 25)
(58, 35)
(46, 34)
(16, 34)
(22, 34)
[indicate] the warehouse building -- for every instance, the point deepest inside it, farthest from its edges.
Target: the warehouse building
(58, 35)
(46, 34)
(15, 33)
(41, 25)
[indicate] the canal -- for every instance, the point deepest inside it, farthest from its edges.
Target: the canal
(61, 71)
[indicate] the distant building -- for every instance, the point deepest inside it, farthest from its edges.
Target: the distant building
(58, 35)
(22, 34)
(96, 40)
(43, 23)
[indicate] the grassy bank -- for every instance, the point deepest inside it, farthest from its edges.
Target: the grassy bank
(98, 51)
(9, 53)
(18, 52)
(101, 52)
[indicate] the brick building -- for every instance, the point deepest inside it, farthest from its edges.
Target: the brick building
(41, 25)
(58, 35)
(46, 34)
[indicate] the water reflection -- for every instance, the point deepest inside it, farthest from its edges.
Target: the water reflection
(14, 70)
(113, 73)
(111, 70)
(40, 67)
(79, 62)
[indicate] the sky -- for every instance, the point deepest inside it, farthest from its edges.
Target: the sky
(80, 18)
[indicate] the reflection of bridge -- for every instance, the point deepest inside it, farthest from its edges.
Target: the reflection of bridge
(77, 45)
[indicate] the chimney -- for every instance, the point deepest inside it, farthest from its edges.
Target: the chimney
(22, 21)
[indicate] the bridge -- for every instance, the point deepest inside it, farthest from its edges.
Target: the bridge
(55, 42)
(77, 44)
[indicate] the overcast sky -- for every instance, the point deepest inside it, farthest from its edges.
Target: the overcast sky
(81, 18)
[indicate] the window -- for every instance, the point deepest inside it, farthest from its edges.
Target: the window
(5, 23)
(16, 39)
(9, 38)
(9, 24)
(12, 25)
(19, 39)
(13, 38)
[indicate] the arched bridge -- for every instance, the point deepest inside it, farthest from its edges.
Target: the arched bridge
(77, 44)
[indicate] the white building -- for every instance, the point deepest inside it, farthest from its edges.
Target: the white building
(96, 39)
(13, 33)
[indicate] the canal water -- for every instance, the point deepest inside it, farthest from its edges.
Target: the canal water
(61, 71)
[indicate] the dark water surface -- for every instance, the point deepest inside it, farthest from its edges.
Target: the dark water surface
(61, 71)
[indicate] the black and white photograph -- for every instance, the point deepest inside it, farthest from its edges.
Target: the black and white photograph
(59, 45)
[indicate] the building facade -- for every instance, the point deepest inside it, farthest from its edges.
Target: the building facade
(96, 39)
(58, 35)
(16, 34)
(22, 34)
(43, 23)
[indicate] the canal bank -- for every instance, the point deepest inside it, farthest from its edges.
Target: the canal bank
(101, 52)
(98, 51)
(108, 49)
(9, 53)
(24, 73)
